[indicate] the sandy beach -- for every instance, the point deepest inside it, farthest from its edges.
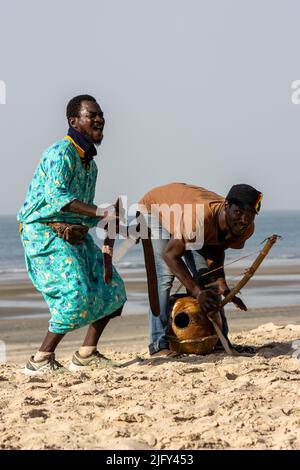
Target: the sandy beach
(191, 402)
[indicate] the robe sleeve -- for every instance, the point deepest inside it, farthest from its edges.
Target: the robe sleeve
(59, 166)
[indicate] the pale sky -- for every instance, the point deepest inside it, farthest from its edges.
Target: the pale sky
(197, 91)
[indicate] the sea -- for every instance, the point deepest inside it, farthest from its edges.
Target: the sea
(283, 223)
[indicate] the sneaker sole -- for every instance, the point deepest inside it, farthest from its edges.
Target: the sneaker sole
(29, 372)
(34, 372)
(74, 367)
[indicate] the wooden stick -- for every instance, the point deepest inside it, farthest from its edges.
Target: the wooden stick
(250, 271)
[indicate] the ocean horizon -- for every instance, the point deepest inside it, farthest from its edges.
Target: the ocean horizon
(284, 223)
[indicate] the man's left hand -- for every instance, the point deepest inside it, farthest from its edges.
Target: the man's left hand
(224, 290)
(239, 303)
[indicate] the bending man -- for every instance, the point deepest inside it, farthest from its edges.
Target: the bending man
(183, 216)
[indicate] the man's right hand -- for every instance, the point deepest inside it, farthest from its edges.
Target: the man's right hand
(208, 300)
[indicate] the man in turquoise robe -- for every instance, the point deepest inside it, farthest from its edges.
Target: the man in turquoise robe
(70, 276)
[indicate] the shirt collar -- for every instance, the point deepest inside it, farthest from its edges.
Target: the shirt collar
(88, 148)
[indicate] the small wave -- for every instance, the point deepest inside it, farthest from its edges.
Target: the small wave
(13, 270)
(295, 257)
(130, 265)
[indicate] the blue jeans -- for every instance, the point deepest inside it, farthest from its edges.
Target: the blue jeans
(165, 277)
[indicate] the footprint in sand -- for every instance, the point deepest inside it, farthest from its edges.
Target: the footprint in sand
(36, 380)
(36, 413)
(34, 401)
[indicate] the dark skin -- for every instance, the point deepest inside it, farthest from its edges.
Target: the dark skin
(235, 220)
(233, 223)
(215, 258)
(90, 124)
(173, 257)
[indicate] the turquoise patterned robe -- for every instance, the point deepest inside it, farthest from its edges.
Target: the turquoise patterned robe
(70, 277)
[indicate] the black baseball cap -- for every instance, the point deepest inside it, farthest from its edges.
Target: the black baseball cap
(246, 197)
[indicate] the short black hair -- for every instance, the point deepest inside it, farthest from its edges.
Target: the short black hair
(74, 105)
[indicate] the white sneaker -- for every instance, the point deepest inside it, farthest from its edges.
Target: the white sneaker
(48, 366)
(96, 359)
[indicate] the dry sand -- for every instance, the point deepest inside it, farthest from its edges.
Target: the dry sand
(192, 402)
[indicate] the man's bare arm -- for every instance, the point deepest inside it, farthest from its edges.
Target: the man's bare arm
(173, 257)
(81, 208)
(215, 256)
(208, 300)
(90, 210)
